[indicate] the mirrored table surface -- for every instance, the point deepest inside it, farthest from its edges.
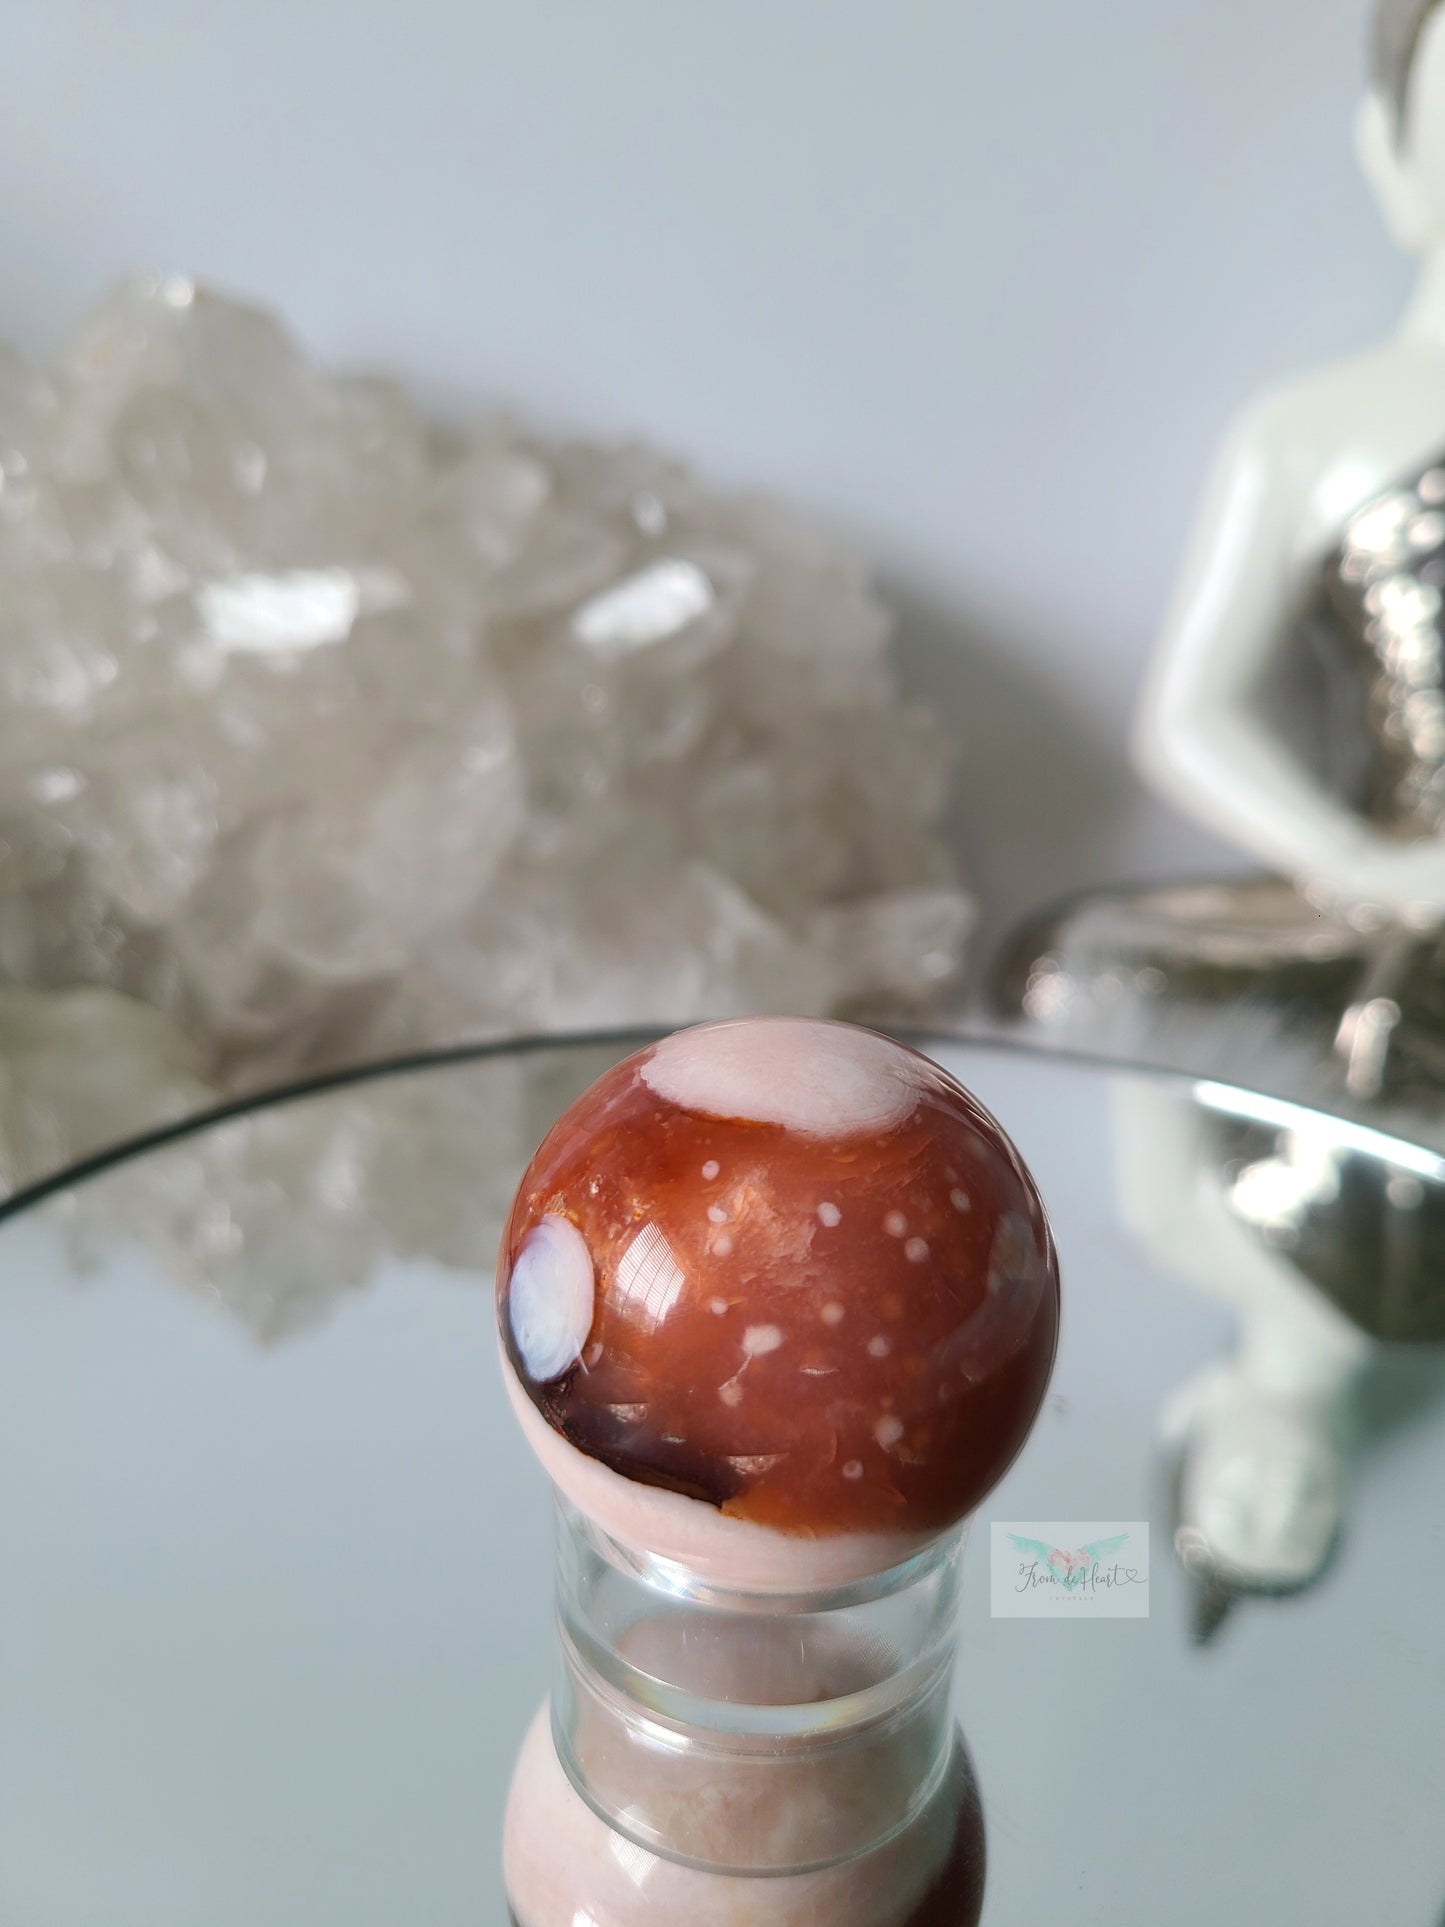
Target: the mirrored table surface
(276, 1611)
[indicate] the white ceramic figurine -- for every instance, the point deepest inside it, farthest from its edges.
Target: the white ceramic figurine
(1297, 706)
(1343, 472)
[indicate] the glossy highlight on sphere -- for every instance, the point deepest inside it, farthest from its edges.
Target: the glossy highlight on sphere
(824, 1294)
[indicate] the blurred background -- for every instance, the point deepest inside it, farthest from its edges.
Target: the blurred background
(977, 286)
(975, 290)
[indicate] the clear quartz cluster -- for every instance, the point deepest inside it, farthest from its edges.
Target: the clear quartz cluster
(275, 1215)
(276, 1211)
(329, 736)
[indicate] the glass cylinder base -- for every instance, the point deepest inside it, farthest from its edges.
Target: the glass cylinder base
(730, 1757)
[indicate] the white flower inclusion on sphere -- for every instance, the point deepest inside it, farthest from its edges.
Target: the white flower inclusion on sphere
(821, 1080)
(550, 1299)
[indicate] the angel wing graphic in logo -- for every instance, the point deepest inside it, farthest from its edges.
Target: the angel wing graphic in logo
(1071, 1568)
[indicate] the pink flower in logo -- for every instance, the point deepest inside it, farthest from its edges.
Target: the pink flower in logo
(1066, 1564)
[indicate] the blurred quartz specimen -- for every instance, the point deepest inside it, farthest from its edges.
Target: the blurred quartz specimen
(81, 1070)
(329, 737)
(275, 1213)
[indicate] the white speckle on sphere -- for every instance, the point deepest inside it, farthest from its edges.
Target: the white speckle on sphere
(880, 1347)
(830, 1215)
(896, 1225)
(717, 1214)
(916, 1250)
(711, 1170)
(961, 1200)
(718, 1307)
(759, 1340)
(819, 1079)
(550, 1298)
(832, 1314)
(853, 1469)
(888, 1431)
(731, 1393)
(722, 1244)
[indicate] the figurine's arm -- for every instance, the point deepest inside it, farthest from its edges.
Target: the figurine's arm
(1203, 737)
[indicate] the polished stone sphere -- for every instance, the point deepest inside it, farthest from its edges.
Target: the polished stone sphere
(777, 1299)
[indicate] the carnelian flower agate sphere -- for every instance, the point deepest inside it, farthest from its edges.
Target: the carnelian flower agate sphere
(778, 1301)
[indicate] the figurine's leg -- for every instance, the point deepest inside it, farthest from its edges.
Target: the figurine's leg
(1367, 1029)
(1264, 1434)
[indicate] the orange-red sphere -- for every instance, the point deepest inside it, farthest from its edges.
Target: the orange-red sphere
(788, 1270)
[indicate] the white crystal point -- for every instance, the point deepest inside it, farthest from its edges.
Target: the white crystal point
(550, 1299)
(657, 603)
(819, 1079)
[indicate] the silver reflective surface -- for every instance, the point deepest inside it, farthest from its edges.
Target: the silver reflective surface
(1382, 598)
(1244, 984)
(275, 1615)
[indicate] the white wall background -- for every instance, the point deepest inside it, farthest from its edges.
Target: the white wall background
(980, 283)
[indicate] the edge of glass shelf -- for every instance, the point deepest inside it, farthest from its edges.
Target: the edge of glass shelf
(966, 1034)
